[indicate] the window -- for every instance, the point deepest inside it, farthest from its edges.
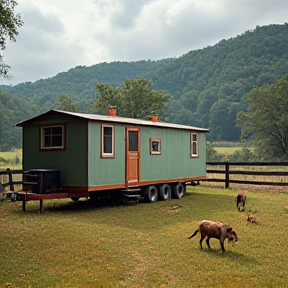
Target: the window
(194, 145)
(155, 146)
(107, 149)
(52, 137)
(133, 141)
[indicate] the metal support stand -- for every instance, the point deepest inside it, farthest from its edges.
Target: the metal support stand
(41, 205)
(23, 205)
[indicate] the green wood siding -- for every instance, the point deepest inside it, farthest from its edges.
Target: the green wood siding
(174, 161)
(80, 164)
(71, 162)
(105, 171)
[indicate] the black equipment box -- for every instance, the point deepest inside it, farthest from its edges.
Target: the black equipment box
(41, 181)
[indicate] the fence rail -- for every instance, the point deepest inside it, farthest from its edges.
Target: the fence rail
(10, 181)
(226, 170)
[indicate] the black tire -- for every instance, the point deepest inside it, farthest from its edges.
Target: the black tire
(93, 197)
(179, 190)
(165, 192)
(151, 194)
(75, 199)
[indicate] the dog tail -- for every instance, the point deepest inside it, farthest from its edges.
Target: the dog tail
(194, 234)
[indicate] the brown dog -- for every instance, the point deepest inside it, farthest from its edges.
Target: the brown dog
(241, 198)
(216, 230)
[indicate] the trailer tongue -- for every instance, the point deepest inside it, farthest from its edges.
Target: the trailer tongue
(30, 196)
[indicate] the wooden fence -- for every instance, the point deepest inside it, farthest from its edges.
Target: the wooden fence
(227, 169)
(10, 182)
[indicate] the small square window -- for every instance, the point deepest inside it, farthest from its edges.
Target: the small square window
(155, 146)
(107, 141)
(52, 137)
(194, 145)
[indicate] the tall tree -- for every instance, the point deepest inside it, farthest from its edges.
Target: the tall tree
(266, 120)
(135, 98)
(65, 103)
(107, 95)
(9, 23)
(222, 121)
(141, 100)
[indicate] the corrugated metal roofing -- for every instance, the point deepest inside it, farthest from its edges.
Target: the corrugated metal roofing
(114, 119)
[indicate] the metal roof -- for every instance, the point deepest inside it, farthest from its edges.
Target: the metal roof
(114, 119)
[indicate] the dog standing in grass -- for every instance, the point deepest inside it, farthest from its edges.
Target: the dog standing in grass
(217, 230)
(240, 199)
(252, 218)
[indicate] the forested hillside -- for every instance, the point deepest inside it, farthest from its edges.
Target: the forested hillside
(12, 111)
(79, 82)
(207, 86)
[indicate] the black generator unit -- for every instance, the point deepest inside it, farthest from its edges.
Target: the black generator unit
(41, 181)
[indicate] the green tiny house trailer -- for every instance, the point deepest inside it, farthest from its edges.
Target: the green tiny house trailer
(98, 154)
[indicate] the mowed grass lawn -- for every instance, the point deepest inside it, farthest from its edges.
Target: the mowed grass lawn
(82, 244)
(227, 150)
(13, 158)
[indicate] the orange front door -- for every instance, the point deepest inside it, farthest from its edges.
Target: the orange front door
(132, 156)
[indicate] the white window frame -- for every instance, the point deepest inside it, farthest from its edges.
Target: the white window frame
(103, 137)
(193, 143)
(52, 147)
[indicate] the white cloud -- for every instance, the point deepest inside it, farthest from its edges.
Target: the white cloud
(59, 35)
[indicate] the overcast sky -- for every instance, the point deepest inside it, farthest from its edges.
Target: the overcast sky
(61, 34)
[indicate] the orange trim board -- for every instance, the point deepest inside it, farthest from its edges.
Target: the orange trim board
(110, 187)
(77, 191)
(201, 178)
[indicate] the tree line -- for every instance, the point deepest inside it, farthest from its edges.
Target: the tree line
(206, 87)
(232, 88)
(264, 123)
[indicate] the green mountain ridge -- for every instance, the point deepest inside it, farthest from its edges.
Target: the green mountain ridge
(207, 86)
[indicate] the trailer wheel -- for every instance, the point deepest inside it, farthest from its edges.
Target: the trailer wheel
(165, 192)
(75, 199)
(151, 194)
(179, 190)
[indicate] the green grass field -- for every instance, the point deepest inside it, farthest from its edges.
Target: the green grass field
(13, 160)
(82, 244)
(227, 150)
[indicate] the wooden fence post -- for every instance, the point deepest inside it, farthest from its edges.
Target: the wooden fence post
(10, 179)
(226, 175)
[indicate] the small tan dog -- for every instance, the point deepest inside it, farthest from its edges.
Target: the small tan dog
(251, 218)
